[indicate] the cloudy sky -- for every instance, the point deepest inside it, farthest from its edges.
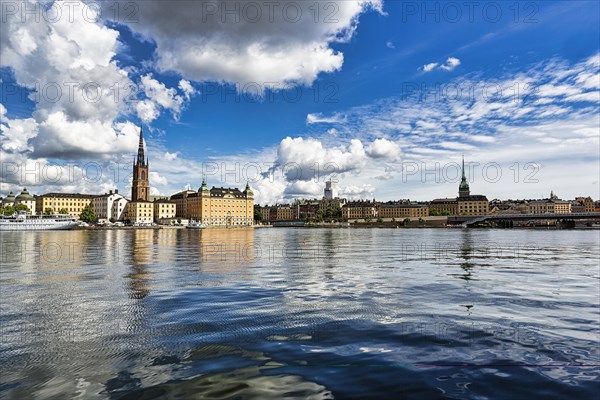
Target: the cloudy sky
(384, 96)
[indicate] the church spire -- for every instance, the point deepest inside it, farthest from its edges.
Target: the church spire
(463, 188)
(140, 155)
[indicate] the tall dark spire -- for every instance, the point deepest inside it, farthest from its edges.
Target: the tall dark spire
(140, 156)
(463, 188)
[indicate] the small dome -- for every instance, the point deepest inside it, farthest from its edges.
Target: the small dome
(24, 195)
(10, 198)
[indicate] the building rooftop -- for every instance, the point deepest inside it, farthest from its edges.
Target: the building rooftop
(444, 200)
(221, 192)
(70, 195)
(473, 197)
(402, 205)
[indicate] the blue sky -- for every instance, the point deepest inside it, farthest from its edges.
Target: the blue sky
(378, 105)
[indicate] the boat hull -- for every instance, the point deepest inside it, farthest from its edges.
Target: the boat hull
(30, 225)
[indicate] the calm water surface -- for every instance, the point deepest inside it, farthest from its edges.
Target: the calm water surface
(300, 313)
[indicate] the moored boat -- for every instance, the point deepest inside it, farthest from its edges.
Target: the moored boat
(195, 225)
(24, 222)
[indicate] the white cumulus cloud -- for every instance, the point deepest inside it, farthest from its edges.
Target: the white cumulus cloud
(273, 43)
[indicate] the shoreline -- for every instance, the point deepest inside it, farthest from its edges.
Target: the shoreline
(335, 226)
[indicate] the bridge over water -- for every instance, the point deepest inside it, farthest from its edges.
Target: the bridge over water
(467, 221)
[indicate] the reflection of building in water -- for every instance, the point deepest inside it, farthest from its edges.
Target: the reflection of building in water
(64, 254)
(231, 247)
(466, 253)
(141, 256)
(68, 304)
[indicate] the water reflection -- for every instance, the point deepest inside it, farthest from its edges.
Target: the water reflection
(143, 244)
(466, 250)
(244, 313)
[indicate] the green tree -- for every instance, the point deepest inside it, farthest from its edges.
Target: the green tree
(88, 215)
(421, 220)
(434, 212)
(367, 219)
(21, 207)
(48, 211)
(445, 213)
(258, 215)
(63, 211)
(406, 221)
(8, 210)
(380, 219)
(393, 219)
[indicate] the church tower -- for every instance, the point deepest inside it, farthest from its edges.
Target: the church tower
(140, 188)
(463, 188)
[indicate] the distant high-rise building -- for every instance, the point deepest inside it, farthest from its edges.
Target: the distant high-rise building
(140, 188)
(331, 190)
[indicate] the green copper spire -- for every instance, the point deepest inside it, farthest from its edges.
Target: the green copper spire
(248, 190)
(203, 188)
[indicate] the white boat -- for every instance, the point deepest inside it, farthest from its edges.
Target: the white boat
(23, 222)
(195, 225)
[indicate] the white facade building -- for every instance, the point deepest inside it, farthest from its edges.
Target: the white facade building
(110, 205)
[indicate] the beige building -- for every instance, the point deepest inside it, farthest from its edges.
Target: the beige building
(549, 206)
(473, 205)
(140, 212)
(587, 202)
(402, 210)
(359, 209)
(164, 211)
(217, 206)
(444, 206)
(180, 200)
(74, 203)
(282, 212)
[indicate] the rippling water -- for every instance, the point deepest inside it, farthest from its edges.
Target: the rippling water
(300, 313)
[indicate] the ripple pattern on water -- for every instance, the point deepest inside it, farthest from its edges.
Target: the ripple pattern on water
(300, 313)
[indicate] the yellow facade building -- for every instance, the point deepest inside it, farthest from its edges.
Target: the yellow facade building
(549, 206)
(473, 205)
(140, 212)
(587, 202)
(217, 206)
(164, 210)
(401, 210)
(443, 206)
(359, 209)
(74, 203)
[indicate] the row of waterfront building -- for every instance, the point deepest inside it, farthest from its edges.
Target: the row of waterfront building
(219, 206)
(372, 209)
(230, 206)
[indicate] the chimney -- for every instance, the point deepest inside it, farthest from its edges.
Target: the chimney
(110, 192)
(116, 191)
